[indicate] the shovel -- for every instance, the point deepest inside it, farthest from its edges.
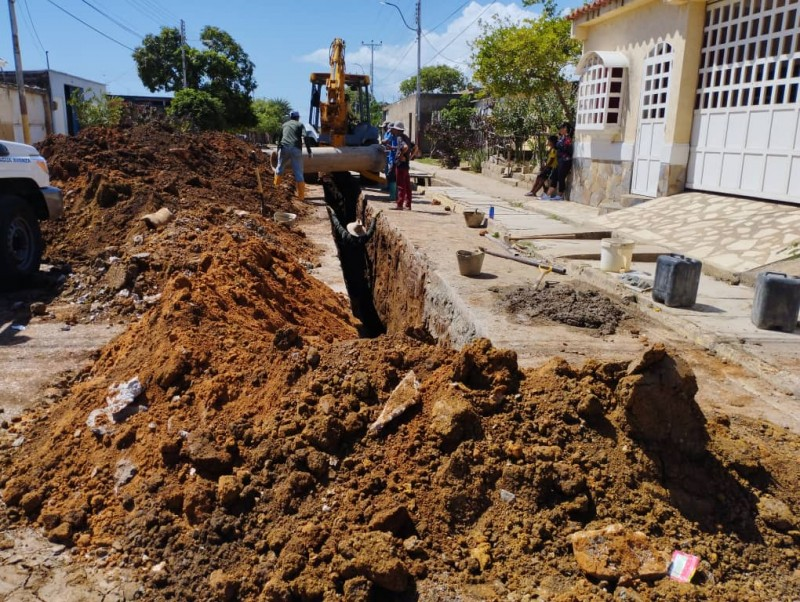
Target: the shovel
(254, 157)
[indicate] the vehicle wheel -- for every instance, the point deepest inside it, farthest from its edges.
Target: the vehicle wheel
(20, 239)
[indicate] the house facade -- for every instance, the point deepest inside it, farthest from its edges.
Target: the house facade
(687, 94)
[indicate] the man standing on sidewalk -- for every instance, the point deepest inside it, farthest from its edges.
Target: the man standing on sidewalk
(290, 148)
(405, 152)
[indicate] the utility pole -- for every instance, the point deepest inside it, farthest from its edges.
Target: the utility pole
(183, 50)
(372, 45)
(417, 129)
(23, 104)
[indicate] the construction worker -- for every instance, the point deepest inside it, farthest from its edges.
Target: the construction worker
(290, 148)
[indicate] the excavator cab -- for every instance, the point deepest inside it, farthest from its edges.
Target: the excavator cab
(340, 104)
(356, 128)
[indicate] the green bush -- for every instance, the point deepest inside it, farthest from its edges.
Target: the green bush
(96, 109)
(198, 109)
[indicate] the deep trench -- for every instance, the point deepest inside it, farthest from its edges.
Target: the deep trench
(345, 205)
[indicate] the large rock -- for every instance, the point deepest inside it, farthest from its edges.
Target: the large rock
(374, 555)
(776, 514)
(615, 553)
(404, 397)
(453, 420)
(658, 399)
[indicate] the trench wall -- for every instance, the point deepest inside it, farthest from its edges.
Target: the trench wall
(409, 295)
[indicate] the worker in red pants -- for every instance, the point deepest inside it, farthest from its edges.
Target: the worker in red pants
(406, 150)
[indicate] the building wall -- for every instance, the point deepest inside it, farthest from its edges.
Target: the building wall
(58, 81)
(10, 119)
(603, 161)
(404, 110)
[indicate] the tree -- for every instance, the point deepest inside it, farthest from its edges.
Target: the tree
(222, 70)
(270, 114)
(455, 135)
(527, 59)
(436, 78)
(96, 109)
(198, 108)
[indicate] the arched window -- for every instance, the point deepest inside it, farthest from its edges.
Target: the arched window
(600, 91)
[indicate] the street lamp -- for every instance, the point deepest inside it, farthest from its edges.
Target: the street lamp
(418, 30)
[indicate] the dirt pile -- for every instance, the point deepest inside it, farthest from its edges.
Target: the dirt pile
(107, 261)
(246, 467)
(564, 303)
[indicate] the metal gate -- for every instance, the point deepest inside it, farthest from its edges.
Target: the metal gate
(652, 119)
(746, 129)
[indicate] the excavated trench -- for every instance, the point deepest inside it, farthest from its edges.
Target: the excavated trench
(390, 288)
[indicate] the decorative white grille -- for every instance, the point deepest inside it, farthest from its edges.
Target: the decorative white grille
(746, 126)
(750, 55)
(656, 82)
(599, 96)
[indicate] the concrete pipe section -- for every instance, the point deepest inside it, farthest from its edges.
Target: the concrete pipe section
(349, 158)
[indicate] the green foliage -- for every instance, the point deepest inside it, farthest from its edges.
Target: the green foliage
(222, 69)
(456, 134)
(198, 109)
(518, 120)
(270, 114)
(375, 112)
(96, 109)
(435, 78)
(527, 59)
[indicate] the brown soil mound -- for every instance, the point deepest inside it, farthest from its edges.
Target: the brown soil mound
(246, 468)
(112, 262)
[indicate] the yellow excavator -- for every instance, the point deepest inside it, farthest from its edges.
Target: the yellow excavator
(342, 119)
(347, 140)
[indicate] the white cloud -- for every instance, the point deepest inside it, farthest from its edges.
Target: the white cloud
(447, 45)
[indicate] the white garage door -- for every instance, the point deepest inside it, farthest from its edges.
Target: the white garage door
(746, 128)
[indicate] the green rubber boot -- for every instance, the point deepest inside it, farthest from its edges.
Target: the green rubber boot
(392, 191)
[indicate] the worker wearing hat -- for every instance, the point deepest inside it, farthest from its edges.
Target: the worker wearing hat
(290, 148)
(389, 143)
(406, 150)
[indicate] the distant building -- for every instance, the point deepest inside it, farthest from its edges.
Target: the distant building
(405, 109)
(59, 87)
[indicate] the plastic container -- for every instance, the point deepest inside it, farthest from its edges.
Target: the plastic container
(470, 262)
(616, 254)
(491, 212)
(777, 302)
(677, 280)
(283, 217)
(474, 218)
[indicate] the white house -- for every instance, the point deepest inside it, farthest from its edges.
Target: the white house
(687, 94)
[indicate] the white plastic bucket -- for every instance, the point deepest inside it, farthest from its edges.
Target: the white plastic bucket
(616, 254)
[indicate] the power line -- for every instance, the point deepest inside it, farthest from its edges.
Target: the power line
(447, 18)
(143, 12)
(33, 27)
(165, 13)
(488, 6)
(105, 35)
(112, 19)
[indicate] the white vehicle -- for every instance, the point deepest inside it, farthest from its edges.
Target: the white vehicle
(25, 198)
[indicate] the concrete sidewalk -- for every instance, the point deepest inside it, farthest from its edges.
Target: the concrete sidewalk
(720, 320)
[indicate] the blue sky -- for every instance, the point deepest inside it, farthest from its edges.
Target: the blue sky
(285, 39)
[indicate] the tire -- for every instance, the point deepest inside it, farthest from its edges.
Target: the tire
(21, 243)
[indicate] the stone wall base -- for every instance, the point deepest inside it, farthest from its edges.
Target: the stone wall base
(595, 181)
